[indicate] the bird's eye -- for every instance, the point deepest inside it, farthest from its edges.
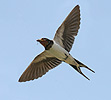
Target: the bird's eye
(44, 39)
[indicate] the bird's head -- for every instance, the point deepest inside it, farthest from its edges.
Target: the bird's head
(43, 41)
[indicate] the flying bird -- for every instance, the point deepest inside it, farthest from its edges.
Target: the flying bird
(57, 50)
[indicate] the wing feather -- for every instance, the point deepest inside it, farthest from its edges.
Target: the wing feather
(66, 33)
(39, 66)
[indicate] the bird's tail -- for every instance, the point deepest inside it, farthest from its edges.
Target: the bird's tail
(77, 68)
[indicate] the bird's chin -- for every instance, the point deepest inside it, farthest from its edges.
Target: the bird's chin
(43, 43)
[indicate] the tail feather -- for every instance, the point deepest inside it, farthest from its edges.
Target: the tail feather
(77, 68)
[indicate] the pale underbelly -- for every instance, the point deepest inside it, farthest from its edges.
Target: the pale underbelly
(63, 56)
(60, 53)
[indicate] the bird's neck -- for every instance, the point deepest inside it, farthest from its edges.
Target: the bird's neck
(49, 45)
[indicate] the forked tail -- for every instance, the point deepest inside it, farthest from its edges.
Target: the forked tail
(77, 68)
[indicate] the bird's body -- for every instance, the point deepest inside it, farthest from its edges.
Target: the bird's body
(60, 53)
(56, 50)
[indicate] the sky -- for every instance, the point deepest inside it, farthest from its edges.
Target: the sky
(22, 22)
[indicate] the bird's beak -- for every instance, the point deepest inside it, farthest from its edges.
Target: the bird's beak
(39, 40)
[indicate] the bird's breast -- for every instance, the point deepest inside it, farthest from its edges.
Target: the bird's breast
(60, 53)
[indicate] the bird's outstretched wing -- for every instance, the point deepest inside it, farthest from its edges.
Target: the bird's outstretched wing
(66, 33)
(39, 66)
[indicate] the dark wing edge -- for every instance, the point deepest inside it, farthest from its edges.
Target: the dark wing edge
(66, 33)
(39, 66)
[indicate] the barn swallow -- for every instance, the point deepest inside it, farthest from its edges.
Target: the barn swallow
(57, 50)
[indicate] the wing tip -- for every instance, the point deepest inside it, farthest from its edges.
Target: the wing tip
(77, 6)
(21, 80)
